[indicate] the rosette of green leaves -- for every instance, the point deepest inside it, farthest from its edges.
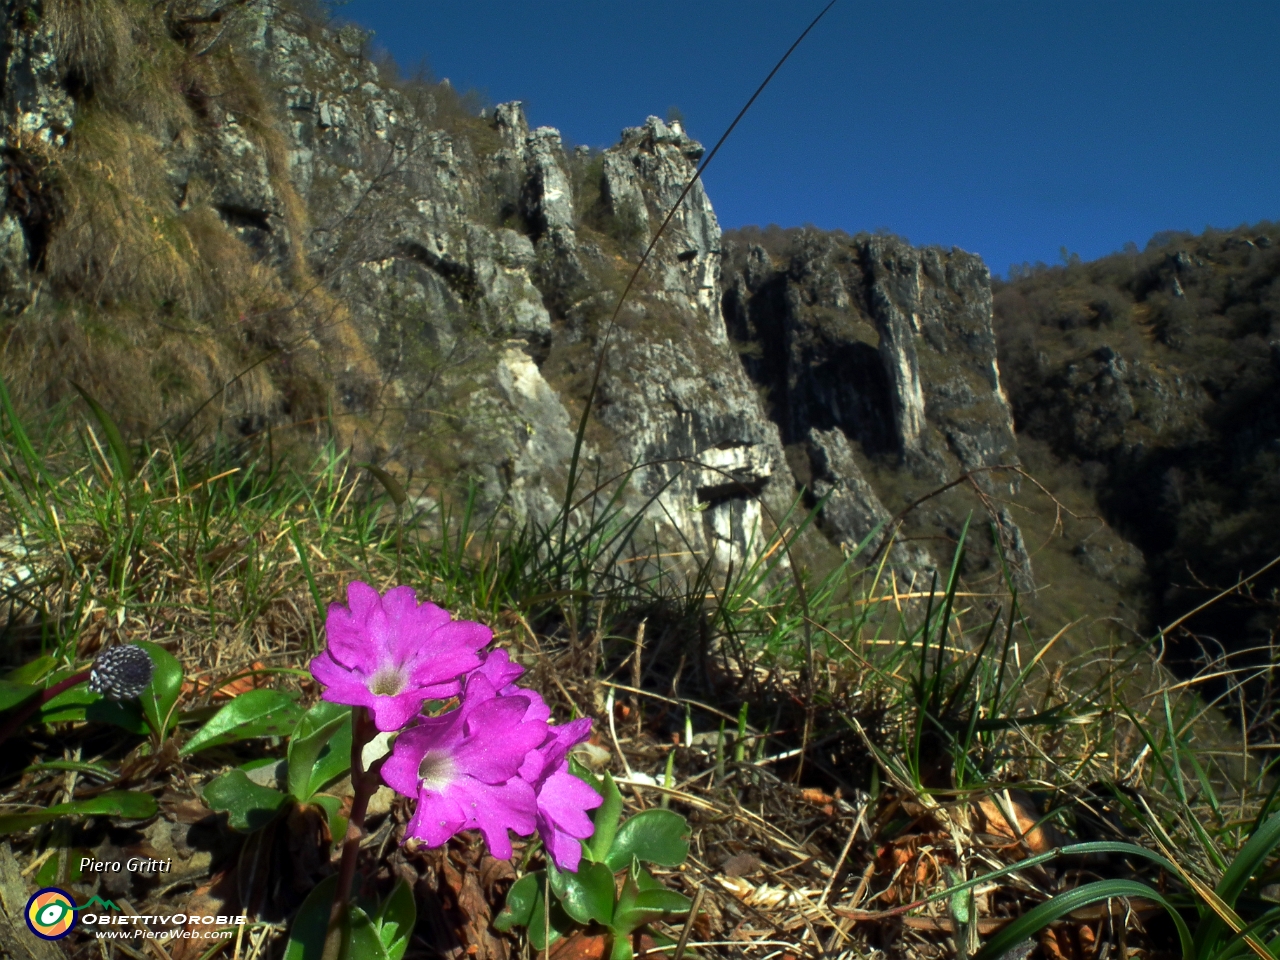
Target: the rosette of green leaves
(319, 753)
(592, 895)
(368, 930)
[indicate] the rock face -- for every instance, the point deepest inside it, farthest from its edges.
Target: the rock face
(872, 346)
(444, 283)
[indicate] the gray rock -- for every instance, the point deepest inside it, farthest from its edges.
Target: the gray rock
(888, 346)
(853, 513)
(451, 297)
(549, 204)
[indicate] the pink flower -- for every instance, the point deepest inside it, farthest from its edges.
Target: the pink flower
(562, 799)
(502, 672)
(390, 653)
(462, 766)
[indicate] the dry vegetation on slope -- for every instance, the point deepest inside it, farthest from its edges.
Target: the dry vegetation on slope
(1154, 374)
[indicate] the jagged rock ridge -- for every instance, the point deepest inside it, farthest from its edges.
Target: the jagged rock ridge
(443, 282)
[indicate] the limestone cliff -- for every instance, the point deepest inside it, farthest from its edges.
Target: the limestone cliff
(869, 349)
(271, 235)
(431, 286)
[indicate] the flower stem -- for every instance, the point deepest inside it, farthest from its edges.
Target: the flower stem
(14, 723)
(364, 783)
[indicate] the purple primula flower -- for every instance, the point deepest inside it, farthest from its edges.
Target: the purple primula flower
(462, 766)
(502, 672)
(562, 799)
(390, 653)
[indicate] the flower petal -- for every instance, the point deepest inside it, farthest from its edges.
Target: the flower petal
(447, 651)
(393, 713)
(564, 800)
(500, 669)
(341, 685)
(400, 771)
(498, 739)
(565, 850)
(441, 691)
(538, 709)
(362, 600)
(494, 808)
(437, 818)
(346, 628)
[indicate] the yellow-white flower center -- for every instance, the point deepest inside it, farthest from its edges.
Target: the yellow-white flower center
(436, 770)
(387, 682)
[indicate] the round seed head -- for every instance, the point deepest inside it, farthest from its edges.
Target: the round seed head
(121, 672)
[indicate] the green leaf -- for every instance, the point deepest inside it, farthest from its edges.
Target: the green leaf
(80, 703)
(126, 804)
(32, 672)
(621, 949)
(126, 714)
(539, 928)
(644, 901)
(647, 907)
(12, 694)
(396, 918)
(654, 836)
(331, 807)
(161, 696)
(198, 716)
(644, 879)
(647, 883)
(583, 773)
(310, 924)
(53, 874)
(526, 908)
(314, 730)
(363, 939)
(334, 760)
(962, 906)
(520, 900)
(605, 818)
(68, 706)
(256, 713)
(119, 451)
(586, 895)
(1039, 917)
(81, 766)
(249, 806)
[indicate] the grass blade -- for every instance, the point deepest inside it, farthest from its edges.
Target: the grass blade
(311, 579)
(119, 450)
(1247, 864)
(1036, 919)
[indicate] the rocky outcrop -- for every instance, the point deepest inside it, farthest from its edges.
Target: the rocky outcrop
(455, 279)
(852, 511)
(870, 348)
(661, 159)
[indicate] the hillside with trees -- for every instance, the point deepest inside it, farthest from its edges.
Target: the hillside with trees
(1155, 372)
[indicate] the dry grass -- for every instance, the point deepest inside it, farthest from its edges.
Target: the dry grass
(145, 296)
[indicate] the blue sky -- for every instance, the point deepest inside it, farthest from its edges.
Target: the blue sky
(1007, 129)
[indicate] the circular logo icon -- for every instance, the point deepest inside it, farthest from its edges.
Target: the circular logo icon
(51, 913)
